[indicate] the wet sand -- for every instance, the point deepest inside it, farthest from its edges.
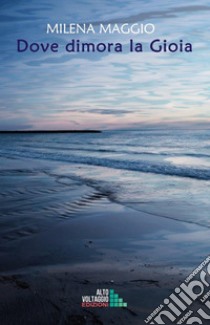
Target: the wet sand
(62, 239)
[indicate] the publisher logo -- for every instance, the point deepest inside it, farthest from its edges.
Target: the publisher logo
(179, 307)
(104, 298)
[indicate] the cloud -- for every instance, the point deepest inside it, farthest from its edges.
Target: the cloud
(160, 14)
(105, 90)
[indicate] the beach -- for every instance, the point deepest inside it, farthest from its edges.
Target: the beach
(72, 226)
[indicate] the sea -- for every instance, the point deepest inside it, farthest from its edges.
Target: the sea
(161, 172)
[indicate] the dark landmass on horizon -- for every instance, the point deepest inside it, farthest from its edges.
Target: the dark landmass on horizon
(52, 131)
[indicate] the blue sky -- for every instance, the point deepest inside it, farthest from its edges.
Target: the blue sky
(107, 90)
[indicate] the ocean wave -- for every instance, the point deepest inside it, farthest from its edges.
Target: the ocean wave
(119, 151)
(143, 166)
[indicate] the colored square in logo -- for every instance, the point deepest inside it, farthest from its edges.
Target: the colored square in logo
(116, 296)
(111, 304)
(125, 304)
(121, 304)
(116, 304)
(120, 300)
(111, 291)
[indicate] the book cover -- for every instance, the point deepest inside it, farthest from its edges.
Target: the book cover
(104, 162)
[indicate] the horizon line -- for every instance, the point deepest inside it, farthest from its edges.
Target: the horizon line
(50, 131)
